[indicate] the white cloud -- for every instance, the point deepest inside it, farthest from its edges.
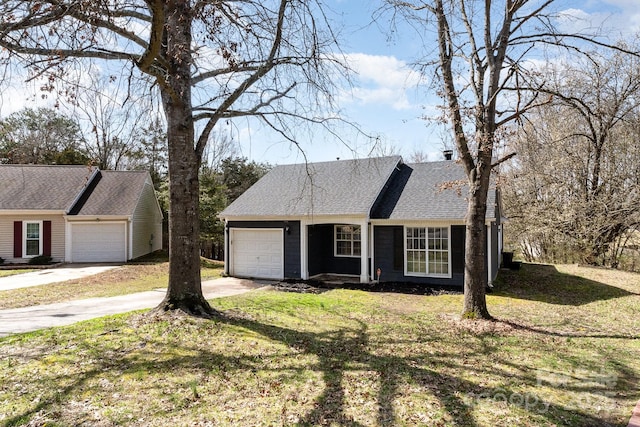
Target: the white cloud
(17, 95)
(627, 20)
(381, 80)
(620, 18)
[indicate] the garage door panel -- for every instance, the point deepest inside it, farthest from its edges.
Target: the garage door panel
(98, 242)
(257, 253)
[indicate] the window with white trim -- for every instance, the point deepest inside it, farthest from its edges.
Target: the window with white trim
(427, 251)
(32, 238)
(347, 240)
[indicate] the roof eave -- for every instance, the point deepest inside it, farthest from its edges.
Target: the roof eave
(312, 218)
(32, 212)
(99, 217)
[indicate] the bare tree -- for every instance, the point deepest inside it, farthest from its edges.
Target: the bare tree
(221, 146)
(209, 60)
(482, 75)
(579, 161)
(113, 122)
(153, 141)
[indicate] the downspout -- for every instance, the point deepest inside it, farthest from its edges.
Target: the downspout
(226, 247)
(129, 238)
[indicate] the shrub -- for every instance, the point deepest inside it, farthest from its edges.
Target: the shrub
(40, 260)
(1, 260)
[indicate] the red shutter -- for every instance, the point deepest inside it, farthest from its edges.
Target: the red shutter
(17, 239)
(46, 242)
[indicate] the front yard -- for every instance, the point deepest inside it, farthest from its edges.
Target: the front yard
(564, 351)
(123, 280)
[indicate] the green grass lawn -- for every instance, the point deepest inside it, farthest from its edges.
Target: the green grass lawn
(564, 351)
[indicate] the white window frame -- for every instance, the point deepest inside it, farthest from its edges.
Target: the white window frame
(426, 251)
(24, 238)
(351, 240)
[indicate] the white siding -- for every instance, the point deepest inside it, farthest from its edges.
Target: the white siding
(6, 236)
(147, 221)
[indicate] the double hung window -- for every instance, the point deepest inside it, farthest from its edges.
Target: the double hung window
(347, 240)
(427, 251)
(32, 238)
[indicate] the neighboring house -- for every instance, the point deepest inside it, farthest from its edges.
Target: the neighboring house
(357, 218)
(77, 214)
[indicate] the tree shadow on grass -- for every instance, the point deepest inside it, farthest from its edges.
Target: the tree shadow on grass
(344, 350)
(565, 334)
(340, 353)
(544, 283)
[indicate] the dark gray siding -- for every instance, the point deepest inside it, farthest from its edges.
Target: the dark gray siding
(457, 249)
(291, 242)
(389, 246)
(321, 253)
(386, 251)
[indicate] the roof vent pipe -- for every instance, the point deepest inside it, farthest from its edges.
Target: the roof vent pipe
(448, 154)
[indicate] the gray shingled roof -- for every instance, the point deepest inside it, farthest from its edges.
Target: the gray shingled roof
(421, 191)
(432, 190)
(40, 187)
(64, 188)
(116, 193)
(345, 187)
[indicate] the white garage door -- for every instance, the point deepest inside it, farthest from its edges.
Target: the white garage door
(257, 253)
(98, 242)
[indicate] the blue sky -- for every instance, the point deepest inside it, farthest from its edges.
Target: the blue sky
(386, 100)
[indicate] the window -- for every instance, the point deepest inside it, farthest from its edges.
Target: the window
(347, 240)
(427, 251)
(32, 238)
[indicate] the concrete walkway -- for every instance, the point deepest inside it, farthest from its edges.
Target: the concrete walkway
(51, 275)
(27, 319)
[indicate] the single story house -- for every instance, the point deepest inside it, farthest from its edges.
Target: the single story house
(375, 219)
(77, 214)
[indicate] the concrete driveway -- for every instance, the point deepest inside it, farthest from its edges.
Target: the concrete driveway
(18, 320)
(51, 275)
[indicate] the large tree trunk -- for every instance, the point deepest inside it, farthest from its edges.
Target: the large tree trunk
(475, 273)
(184, 291)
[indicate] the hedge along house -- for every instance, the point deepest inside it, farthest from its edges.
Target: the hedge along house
(77, 214)
(373, 219)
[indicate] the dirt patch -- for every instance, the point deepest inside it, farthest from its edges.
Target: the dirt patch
(300, 287)
(478, 326)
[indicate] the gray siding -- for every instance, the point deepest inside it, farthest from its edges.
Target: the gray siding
(147, 222)
(292, 266)
(389, 246)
